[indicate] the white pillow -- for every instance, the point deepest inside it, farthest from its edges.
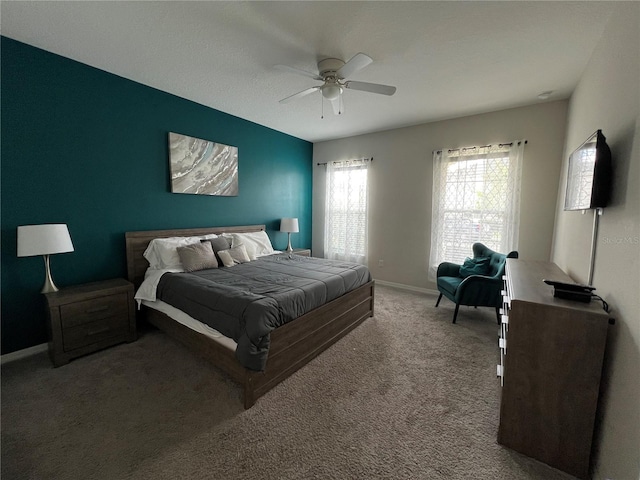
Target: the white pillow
(233, 256)
(256, 243)
(162, 253)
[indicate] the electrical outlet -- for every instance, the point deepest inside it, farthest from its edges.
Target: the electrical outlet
(381, 263)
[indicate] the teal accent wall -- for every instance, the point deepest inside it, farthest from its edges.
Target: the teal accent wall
(88, 148)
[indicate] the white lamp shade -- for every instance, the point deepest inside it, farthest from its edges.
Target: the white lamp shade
(289, 225)
(43, 239)
(331, 91)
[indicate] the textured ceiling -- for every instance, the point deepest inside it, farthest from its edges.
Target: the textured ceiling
(447, 59)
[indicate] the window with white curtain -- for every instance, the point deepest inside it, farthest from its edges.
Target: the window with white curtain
(476, 198)
(347, 199)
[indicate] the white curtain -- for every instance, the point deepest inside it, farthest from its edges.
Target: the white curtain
(346, 213)
(476, 198)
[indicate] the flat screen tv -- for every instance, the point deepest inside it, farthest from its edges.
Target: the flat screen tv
(589, 175)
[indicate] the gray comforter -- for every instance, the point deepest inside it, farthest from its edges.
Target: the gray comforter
(247, 301)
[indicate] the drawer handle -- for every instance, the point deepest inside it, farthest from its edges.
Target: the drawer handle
(97, 309)
(98, 331)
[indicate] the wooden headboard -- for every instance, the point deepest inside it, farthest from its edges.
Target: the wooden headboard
(137, 243)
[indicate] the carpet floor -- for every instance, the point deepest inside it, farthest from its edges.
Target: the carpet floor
(407, 395)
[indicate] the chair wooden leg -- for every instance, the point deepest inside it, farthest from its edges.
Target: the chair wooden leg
(438, 302)
(455, 314)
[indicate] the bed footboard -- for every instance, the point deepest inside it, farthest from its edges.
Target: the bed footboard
(293, 345)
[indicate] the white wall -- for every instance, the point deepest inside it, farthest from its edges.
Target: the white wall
(608, 97)
(401, 179)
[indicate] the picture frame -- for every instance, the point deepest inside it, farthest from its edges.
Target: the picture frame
(202, 167)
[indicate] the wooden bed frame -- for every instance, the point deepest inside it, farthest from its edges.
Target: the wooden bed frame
(293, 345)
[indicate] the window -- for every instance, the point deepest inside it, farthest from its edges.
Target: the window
(345, 233)
(476, 198)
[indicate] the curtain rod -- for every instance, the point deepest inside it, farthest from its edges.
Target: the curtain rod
(370, 159)
(482, 146)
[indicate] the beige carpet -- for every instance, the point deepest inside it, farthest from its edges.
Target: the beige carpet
(407, 395)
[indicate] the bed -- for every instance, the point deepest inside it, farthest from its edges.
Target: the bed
(292, 345)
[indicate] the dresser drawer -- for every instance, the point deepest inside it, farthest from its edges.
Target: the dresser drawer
(88, 311)
(94, 332)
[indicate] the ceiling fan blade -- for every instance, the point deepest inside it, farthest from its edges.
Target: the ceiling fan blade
(300, 94)
(287, 68)
(357, 62)
(371, 87)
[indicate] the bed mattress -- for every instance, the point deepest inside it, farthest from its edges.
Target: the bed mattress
(184, 319)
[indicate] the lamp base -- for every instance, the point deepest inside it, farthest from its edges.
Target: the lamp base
(289, 249)
(48, 286)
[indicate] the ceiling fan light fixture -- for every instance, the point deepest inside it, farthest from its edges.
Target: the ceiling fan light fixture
(331, 91)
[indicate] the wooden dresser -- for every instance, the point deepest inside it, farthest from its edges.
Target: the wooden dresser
(90, 317)
(551, 355)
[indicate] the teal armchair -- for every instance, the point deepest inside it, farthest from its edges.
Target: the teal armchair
(477, 283)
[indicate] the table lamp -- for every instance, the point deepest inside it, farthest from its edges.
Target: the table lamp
(44, 240)
(289, 225)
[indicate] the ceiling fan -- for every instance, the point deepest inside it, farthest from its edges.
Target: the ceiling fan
(334, 73)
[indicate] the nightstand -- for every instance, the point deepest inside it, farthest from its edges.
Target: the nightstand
(90, 317)
(303, 252)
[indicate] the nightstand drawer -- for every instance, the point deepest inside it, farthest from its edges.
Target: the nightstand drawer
(79, 313)
(94, 332)
(89, 317)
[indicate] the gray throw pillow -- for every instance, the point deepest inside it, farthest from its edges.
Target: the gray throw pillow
(218, 244)
(197, 256)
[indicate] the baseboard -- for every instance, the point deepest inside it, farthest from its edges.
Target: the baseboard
(25, 352)
(402, 286)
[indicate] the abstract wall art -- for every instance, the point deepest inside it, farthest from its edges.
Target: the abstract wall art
(202, 167)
